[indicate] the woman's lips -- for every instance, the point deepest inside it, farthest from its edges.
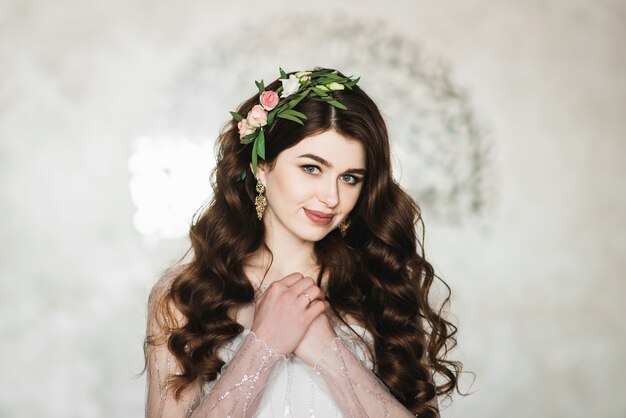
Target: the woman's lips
(319, 218)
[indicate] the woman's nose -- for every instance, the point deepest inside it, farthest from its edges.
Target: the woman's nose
(329, 195)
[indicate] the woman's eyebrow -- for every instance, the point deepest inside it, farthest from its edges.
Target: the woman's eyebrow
(329, 165)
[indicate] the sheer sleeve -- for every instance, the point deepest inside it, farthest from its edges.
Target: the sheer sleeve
(236, 393)
(240, 387)
(357, 391)
(160, 400)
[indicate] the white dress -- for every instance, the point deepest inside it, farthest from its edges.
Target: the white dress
(256, 382)
(294, 388)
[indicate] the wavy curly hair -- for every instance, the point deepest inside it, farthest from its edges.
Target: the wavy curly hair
(377, 273)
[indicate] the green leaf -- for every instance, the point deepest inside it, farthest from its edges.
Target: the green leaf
(236, 116)
(295, 113)
(319, 92)
(337, 104)
(271, 116)
(330, 78)
(290, 117)
(254, 157)
(283, 74)
(249, 138)
(299, 98)
(242, 175)
(282, 107)
(260, 145)
(260, 85)
(319, 73)
(352, 83)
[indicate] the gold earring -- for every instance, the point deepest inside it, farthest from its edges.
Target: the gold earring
(343, 226)
(260, 202)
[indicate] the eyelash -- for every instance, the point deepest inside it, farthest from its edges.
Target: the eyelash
(356, 179)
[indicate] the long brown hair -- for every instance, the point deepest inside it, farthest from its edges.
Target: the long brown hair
(377, 273)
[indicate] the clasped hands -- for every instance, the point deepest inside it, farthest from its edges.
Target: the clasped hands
(289, 321)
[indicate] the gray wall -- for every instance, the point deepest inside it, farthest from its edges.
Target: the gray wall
(537, 273)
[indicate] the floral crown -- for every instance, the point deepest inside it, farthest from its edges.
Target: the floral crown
(313, 84)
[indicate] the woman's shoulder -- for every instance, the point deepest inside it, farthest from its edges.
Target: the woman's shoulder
(162, 313)
(163, 285)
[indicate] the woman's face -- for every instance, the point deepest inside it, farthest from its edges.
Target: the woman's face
(313, 185)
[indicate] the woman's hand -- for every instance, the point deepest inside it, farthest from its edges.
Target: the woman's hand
(283, 313)
(317, 339)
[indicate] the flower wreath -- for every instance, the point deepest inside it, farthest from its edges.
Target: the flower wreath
(295, 88)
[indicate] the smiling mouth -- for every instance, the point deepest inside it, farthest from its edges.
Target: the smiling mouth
(319, 218)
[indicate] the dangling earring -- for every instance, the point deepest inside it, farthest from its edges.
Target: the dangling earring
(260, 202)
(343, 226)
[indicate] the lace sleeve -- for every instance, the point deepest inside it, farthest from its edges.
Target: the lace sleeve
(236, 393)
(357, 391)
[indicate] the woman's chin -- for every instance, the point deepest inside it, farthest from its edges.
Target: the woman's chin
(314, 235)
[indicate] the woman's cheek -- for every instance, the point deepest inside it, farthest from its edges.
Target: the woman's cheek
(354, 193)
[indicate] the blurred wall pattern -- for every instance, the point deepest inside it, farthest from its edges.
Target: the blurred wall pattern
(507, 124)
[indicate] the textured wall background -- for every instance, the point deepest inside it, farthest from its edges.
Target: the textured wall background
(537, 279)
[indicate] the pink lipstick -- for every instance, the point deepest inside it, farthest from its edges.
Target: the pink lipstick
(319, 218)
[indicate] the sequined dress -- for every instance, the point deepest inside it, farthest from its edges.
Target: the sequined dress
(257, 382)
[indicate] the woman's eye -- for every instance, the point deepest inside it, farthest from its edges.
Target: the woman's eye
(310, 168)
(347, 178)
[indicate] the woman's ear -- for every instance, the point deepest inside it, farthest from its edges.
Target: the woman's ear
(261, 171)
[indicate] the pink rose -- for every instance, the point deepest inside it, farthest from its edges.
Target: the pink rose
(269, 100)
(244, 128)
(257, 117)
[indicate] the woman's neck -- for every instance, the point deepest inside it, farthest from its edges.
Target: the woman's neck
(289, 254)
(283, 263)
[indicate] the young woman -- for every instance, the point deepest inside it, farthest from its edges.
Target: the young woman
(306, 293)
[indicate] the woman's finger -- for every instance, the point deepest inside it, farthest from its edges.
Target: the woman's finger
(311, 295)
(290, 279)
(286, 283)
(315, 292)
(301, 285)
(316, 308)
(304, 299)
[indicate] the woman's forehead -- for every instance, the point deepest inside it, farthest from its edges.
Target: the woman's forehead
(334, 148)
